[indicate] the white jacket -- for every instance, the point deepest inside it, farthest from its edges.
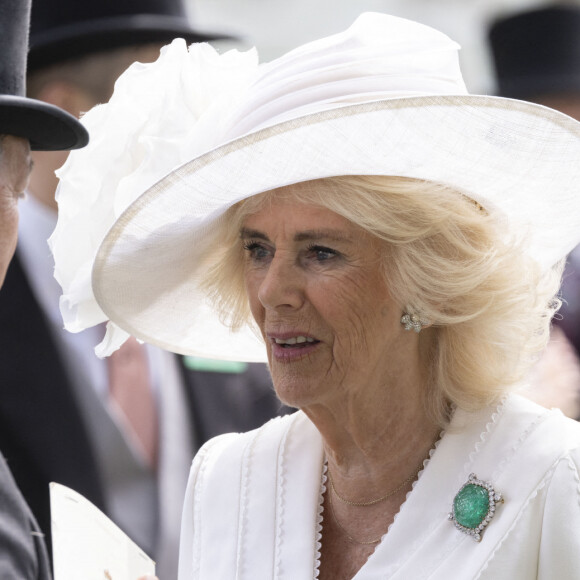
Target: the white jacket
(253, 509)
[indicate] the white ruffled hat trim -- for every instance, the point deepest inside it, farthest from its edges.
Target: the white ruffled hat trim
(158, 117)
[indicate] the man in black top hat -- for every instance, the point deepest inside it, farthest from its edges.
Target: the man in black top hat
(25, 124)
(536, 54)
(77, 51)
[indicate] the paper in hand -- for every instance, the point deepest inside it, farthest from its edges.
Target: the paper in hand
(87, 544)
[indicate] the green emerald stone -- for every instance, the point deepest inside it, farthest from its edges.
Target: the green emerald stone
(471, 505)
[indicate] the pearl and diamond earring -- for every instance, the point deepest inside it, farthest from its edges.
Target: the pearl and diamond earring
(414, 322)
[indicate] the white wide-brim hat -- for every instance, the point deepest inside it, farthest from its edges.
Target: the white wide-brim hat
(386, 97)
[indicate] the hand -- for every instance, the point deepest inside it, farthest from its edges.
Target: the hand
(148, 577)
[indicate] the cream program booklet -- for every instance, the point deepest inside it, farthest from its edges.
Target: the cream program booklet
(87, 544)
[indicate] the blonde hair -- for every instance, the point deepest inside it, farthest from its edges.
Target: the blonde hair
(446, 259)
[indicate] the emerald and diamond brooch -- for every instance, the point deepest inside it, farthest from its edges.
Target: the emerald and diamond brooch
(474, 506)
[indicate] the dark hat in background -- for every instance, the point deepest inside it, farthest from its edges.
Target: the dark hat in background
(537, 52)
(64, 29)
(46, 127)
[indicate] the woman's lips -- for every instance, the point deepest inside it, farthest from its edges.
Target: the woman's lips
(289, 347)
(301, 339)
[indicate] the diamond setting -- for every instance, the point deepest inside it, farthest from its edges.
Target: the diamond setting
(474, 506)
(414, 322)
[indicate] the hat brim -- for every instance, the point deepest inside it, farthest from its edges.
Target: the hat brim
(518, 160)
(47, 127)
(73, 41)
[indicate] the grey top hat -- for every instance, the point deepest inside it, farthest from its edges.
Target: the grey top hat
(62, 29)
(537, 52)
(46, 127)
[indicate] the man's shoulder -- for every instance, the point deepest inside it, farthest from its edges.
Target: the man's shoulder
(22, 550)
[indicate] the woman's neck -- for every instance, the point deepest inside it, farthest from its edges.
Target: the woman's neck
(374, 460)
(373, 446)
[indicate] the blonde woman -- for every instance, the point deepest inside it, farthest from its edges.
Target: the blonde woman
(393, 247)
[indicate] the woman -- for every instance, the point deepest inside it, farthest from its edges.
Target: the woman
(390, 240)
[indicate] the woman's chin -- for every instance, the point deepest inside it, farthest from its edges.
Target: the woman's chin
(298, 392)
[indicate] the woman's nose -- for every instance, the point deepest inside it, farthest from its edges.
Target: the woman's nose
(282, 285)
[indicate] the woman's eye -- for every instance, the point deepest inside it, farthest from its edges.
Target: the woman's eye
(256, 251)
(322, 254)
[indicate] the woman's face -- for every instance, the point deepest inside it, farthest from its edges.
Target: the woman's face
(316, 289)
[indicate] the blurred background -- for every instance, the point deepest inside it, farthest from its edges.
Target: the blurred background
(275, 26)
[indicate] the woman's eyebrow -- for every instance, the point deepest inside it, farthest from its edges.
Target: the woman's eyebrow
(307, 235)
(246, 233)
(323, 234)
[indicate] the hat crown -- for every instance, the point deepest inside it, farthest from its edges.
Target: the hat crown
(44, 125)
(537, 51)
(14, 16)
(50, 14)
(67, 29)
(377, 57)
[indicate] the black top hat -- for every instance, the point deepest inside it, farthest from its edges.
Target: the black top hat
(64, 29)
(537, 52)
(46, 127)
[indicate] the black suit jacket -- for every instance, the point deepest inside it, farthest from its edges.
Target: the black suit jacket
(42, 434)
(22, 552)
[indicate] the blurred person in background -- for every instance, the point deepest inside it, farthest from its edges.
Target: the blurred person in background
(536, 55)
(25, 125)
(122, 432)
